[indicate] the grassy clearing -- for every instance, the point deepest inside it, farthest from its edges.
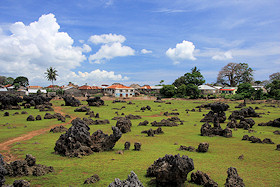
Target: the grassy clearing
(260, 166)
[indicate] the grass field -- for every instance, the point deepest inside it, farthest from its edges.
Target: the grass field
(260, 167)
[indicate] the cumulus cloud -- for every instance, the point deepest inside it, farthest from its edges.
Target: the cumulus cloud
(106, 38)
(145, 51)
(30, 49)
(109, 51)
(223, 56)
(182, 51)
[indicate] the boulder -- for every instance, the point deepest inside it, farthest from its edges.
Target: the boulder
(246, 137)
(126, 145)
(171, 170)
(144, 123)
(3, 171)
(152, 132)
(130, 116)
(21, 183)
(164, 122)
(48, 116)
(203, 147)
(233, 179)
(38, 117)
(137, 146)
(277, 132)
(274, 123)
(244, 112)
(131, 181)
(93, 179)
(6, 114)
(44, 108)
(278, 147)
(9, 102)
(82, 109)
(71, 101)
(97, 101)
(185, 148)
(124, 125)
(267, 141)
(30, 118)
(203, 179)
(58, 129)
(24, 112)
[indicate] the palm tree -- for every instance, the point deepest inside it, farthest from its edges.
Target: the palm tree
(51, 74)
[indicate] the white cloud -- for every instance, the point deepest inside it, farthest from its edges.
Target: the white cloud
(107, 38)
(223, 56)
(145, 51)
(109, 51)
(183, 51)
(96, 76)
(86, 48)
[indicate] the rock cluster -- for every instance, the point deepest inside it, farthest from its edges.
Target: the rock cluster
(171, 113)
(243, 113)
(58, 116)
(171, 170)
(244, 123)
(152, 132)
(78, 142)
(208, 130)
(233, 179)
(274, 123)
(44, 107)
(27, 167)
(3, 171)
(89, 121)
(217, 110)
(30, 118)
(203, 179)
(118, 101)
(185, 148)
(71, 101)
(203, 147)
(124, 125)
(21, 183)
(132, 180)
(9, 102)
(93, 179)
(146, 108)
(96, 101)
(144, 123)
(130, 116)
(82, 109)
(170, 122)
(58, 129)
(34, 100)
(254, 139)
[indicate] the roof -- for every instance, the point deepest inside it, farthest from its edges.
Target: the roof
(34, 87)
(135, 86)
(156, 87)
(35, 91)
(8, 85)
(227, 89)
(119, 86)
(206, 87)
(3, 89)
(86, 87)
(146, 87)
(53, 86)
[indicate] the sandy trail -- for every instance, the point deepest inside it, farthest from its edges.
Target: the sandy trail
(5, 146)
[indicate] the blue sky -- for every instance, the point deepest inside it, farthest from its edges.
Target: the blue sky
(129, 41)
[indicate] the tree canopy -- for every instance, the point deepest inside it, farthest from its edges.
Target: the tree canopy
(195, 77)
(22, 81)
(274, 76)
(51, 74)
(235, 73)
(246, 90)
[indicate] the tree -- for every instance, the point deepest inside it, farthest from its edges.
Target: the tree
(2, 79)
(168, 90)
(246, 90)
(233, 73)
(274, 89)
(10, 80)
(22, 81)
(192, 91)
(195, 77)
(181, 90)
(274, 76)
(51, 74)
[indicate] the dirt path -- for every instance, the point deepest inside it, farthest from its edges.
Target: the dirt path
(5, 146)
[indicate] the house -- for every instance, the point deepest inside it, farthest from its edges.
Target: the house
(260, 88)
(205, 90)
(135, 86)
(35, 89)
(86, 90)
(54, 87)
(3, 89)
(73, 91)
(228, 90)
(156, 89)
(120, 90)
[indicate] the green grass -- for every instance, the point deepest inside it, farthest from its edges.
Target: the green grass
(260, 167)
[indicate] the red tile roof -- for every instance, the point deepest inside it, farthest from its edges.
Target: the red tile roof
(8, 85)
(86, 87)
(34, 87)
(227, 89)
(146, 87)
(119, 86)
(53, 86)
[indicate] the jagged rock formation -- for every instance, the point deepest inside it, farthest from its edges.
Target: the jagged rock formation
(152, 132)
(30, 118)
(124, 125)
(3, 171)
(71, 101)
(274, 123)
(131, 181)
(208, 130)
(170, 122)
(233, 179)
(97, 101)
(203, 179)
(126, 145)
(185, 148)
(171, 170)
(93, 179)
(144, 123)
(38, 117)
(78, 142)
(203, 147)
(27, 167)
(217, 110)
(82, 109)
(146, 108)
(244, 112)
(58, 129)
(254, 139)
(137, 146)
(9, 102)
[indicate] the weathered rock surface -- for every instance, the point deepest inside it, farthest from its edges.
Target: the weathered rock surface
(93, 179)
(208, 130)
(131, 181)
(137, 146)
(78, 142)
(185, 148)
(71, 101)
(244, 112)
(126, 145)
(274, 123)
(21, 183)
(171, 170)
(203, 179)
(124, 125)
(144, 123)
(9, 102)
(58, 129)
(38, 117)
(233, 179)
(30, 118)
(203, 147)
(96, 101)
(3, 171)
(82, 109)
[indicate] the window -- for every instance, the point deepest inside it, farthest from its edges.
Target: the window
(131, 90)
(120, 90)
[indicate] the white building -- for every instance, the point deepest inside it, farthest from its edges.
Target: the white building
(120, 91)
(205, 89)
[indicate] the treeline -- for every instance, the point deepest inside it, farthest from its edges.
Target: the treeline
(17, 82)
(233, 75)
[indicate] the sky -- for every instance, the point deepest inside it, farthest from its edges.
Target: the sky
(98, 42)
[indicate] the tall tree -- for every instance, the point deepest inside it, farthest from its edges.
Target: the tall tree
(10, 80)
(233, 73)
(195, 77)
(274, 76)
(2, 79)
(22, 81)
(51, 74)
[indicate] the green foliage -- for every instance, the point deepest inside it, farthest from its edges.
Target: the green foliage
(49, 90)
(181, 91)
(168, 91)
(22, 81)
(51, 74)
(60, 91)
(274, 89)
(259, 95)
(16, 86)
(195, 77)
(39, 92)
(246, 90)
(192, 91)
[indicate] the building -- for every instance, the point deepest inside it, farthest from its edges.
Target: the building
(35, 89)
(156, 89)
(205, 90)
(228, 90)
(120, 90)
(87, 90)
(260, 88)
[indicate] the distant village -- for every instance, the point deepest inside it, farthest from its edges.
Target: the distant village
(114, 90)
